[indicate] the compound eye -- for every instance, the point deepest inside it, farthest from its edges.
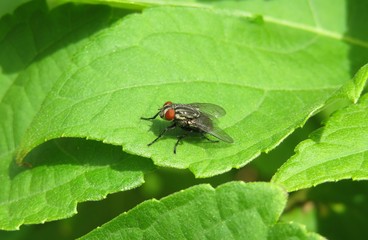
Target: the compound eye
(167, 103)
(170, 114)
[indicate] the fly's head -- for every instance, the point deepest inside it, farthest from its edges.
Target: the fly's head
(178, 112)
(167, 111)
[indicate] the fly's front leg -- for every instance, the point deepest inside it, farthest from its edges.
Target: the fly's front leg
(162, 133)
(150, 118)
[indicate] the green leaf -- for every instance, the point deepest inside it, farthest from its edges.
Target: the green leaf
(66, 172)
(337, 151)
(231, 211)
(93, 71)
(291, 231)
(135, 4)
(260, 72)
(7, 7)
(304, 214)
(34, 43)
(353, 89)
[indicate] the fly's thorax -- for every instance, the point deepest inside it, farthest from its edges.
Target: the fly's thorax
(183, 112)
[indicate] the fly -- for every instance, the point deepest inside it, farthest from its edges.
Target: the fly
(193, 117)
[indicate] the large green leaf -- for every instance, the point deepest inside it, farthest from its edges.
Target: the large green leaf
(259, 71)
(34, 44)
(77, 71)
(231, 211)
(337, 151)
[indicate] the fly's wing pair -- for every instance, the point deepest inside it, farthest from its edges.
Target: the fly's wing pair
(210, 109)
(205, 122)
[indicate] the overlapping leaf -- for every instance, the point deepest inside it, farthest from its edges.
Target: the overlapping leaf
(66, 172)
(231, 211)
(337, 151)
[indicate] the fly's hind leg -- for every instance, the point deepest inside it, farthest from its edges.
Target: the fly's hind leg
(178, 141)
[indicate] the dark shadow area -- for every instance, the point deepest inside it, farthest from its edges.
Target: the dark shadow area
(357, 29)
(267, 164)
(34, 32)
(81, 152)
(342, 209)
(193, 138)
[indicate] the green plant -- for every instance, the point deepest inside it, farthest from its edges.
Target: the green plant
(77, 78)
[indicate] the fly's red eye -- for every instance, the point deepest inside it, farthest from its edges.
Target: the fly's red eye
(167, 103)
(170, 114)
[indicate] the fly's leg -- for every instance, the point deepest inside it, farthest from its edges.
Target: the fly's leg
(178, 141)
(162, 133)
(150, 118)
(214, 141)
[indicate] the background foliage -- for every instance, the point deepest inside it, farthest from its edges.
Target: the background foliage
(76, 78)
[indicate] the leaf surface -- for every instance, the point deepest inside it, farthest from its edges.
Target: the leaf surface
(231, 211)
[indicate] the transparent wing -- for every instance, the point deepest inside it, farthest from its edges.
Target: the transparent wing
(205, 124)
(210, 109)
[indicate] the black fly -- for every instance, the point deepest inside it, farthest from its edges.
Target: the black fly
(194, 117)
